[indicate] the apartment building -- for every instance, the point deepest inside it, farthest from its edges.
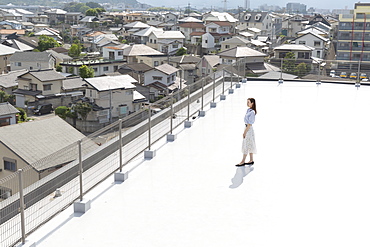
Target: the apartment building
(354, 34)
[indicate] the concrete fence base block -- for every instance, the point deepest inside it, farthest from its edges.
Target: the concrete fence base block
(82, 206)
(202, 114)
(188, 124)
(281, 81)
(213, 104)
(28, 243)
(237, 85)
(171, 137)
(222, 97)
(244, 80)
(120, 177)
(149, 154)
(231, 91)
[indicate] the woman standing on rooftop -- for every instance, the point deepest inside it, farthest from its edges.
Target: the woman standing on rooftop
(249, 143)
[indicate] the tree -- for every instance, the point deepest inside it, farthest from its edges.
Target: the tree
(61, 111)
(86, 71)
(181, 51)
(302, 69)
(91, 12)
(93, 5)
(289, 63)
(59, 68)
(83, 109)
(46, 43)
(75, 50)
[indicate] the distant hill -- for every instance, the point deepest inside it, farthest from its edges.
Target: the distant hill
(60, 4)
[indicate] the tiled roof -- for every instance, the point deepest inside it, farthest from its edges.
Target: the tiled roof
(32, 140)
(105, 83)
(30, 57)
(46, 75)
(6, 109)
(10, 79)
(242, 52)
(166, 68)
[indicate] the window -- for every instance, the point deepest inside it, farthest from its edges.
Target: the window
(106, 68)
(159, 78)
(156, 63)
(316, 43)
(5, 121)
(318, 53)
(18, 64)
(129, 92)
(205, 41)
(247, 17)
(115, 67)
(227, 46)
(301, 42)
(10, 164)
(25, 87)
(33, 87)
(47, 87)
(95, 70)
(175, 45)
(120, 53)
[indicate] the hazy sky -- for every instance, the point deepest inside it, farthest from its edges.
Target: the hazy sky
(330, 4)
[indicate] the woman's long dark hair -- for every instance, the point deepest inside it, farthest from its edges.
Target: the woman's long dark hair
(254, 107)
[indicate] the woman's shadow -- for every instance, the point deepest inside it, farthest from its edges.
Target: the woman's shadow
(240, 173)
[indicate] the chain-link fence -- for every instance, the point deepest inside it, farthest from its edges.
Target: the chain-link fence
(26, 204)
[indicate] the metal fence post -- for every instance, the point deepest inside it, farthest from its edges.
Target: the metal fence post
(213, 89)
(171, 117)
(149, 128)
(281, 71)
(120, 145)
(188, 102)
(80, 168)
(22, 206)
(202, 81)
(223, 81)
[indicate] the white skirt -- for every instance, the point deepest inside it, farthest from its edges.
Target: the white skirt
(249, 142)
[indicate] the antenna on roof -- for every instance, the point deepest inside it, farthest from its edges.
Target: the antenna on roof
(225, 5)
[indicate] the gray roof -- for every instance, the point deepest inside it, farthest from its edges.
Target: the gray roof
(166, 68)
(185, 59)
(71, 83)
(6, 109)
(6, 50)
(136, 24)
(105, 83)
(10, 80)
(213, 60)
(275, 75)
(32, 140)
(60, 56)
(30, 57)
(242, 52)
(236, 40)
(140, 50)
(47, 75)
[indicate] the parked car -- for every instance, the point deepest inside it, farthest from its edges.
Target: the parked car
(363, 76)
(343, 74)
(332, 73)
(353, 76)
(43, 109)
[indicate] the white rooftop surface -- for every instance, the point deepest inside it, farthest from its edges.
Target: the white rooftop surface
(309, 185)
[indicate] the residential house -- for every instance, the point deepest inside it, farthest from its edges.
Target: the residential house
(90, 21)
(16, 44)
(30, 41)
(135, 70)
(136, 26)
(319, 43)
(5, 53)
(39, 19)
(52, 33)
(142, 36)
(162, 80)
(216, 32)
(314, 30)
(168, 42)
(8, 82)
(9, 14)
(11, 25)
(134, 17)
(59, 57)
(8, 114)
(31, 60)
(129, 53)
(56, 16)
(6, 32)
(218, 16)
(208, 64)
(25, 14)
(318, 18)
(112, 97)
(252, 59)
(187, 28)
(100, 67)
(292, 25)
(152, 60)
(260, 20)
(171, 17)
(73, 17)
(38, 84)
(188, 67)
(25, 145)
(300, 51)
(234, 42)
